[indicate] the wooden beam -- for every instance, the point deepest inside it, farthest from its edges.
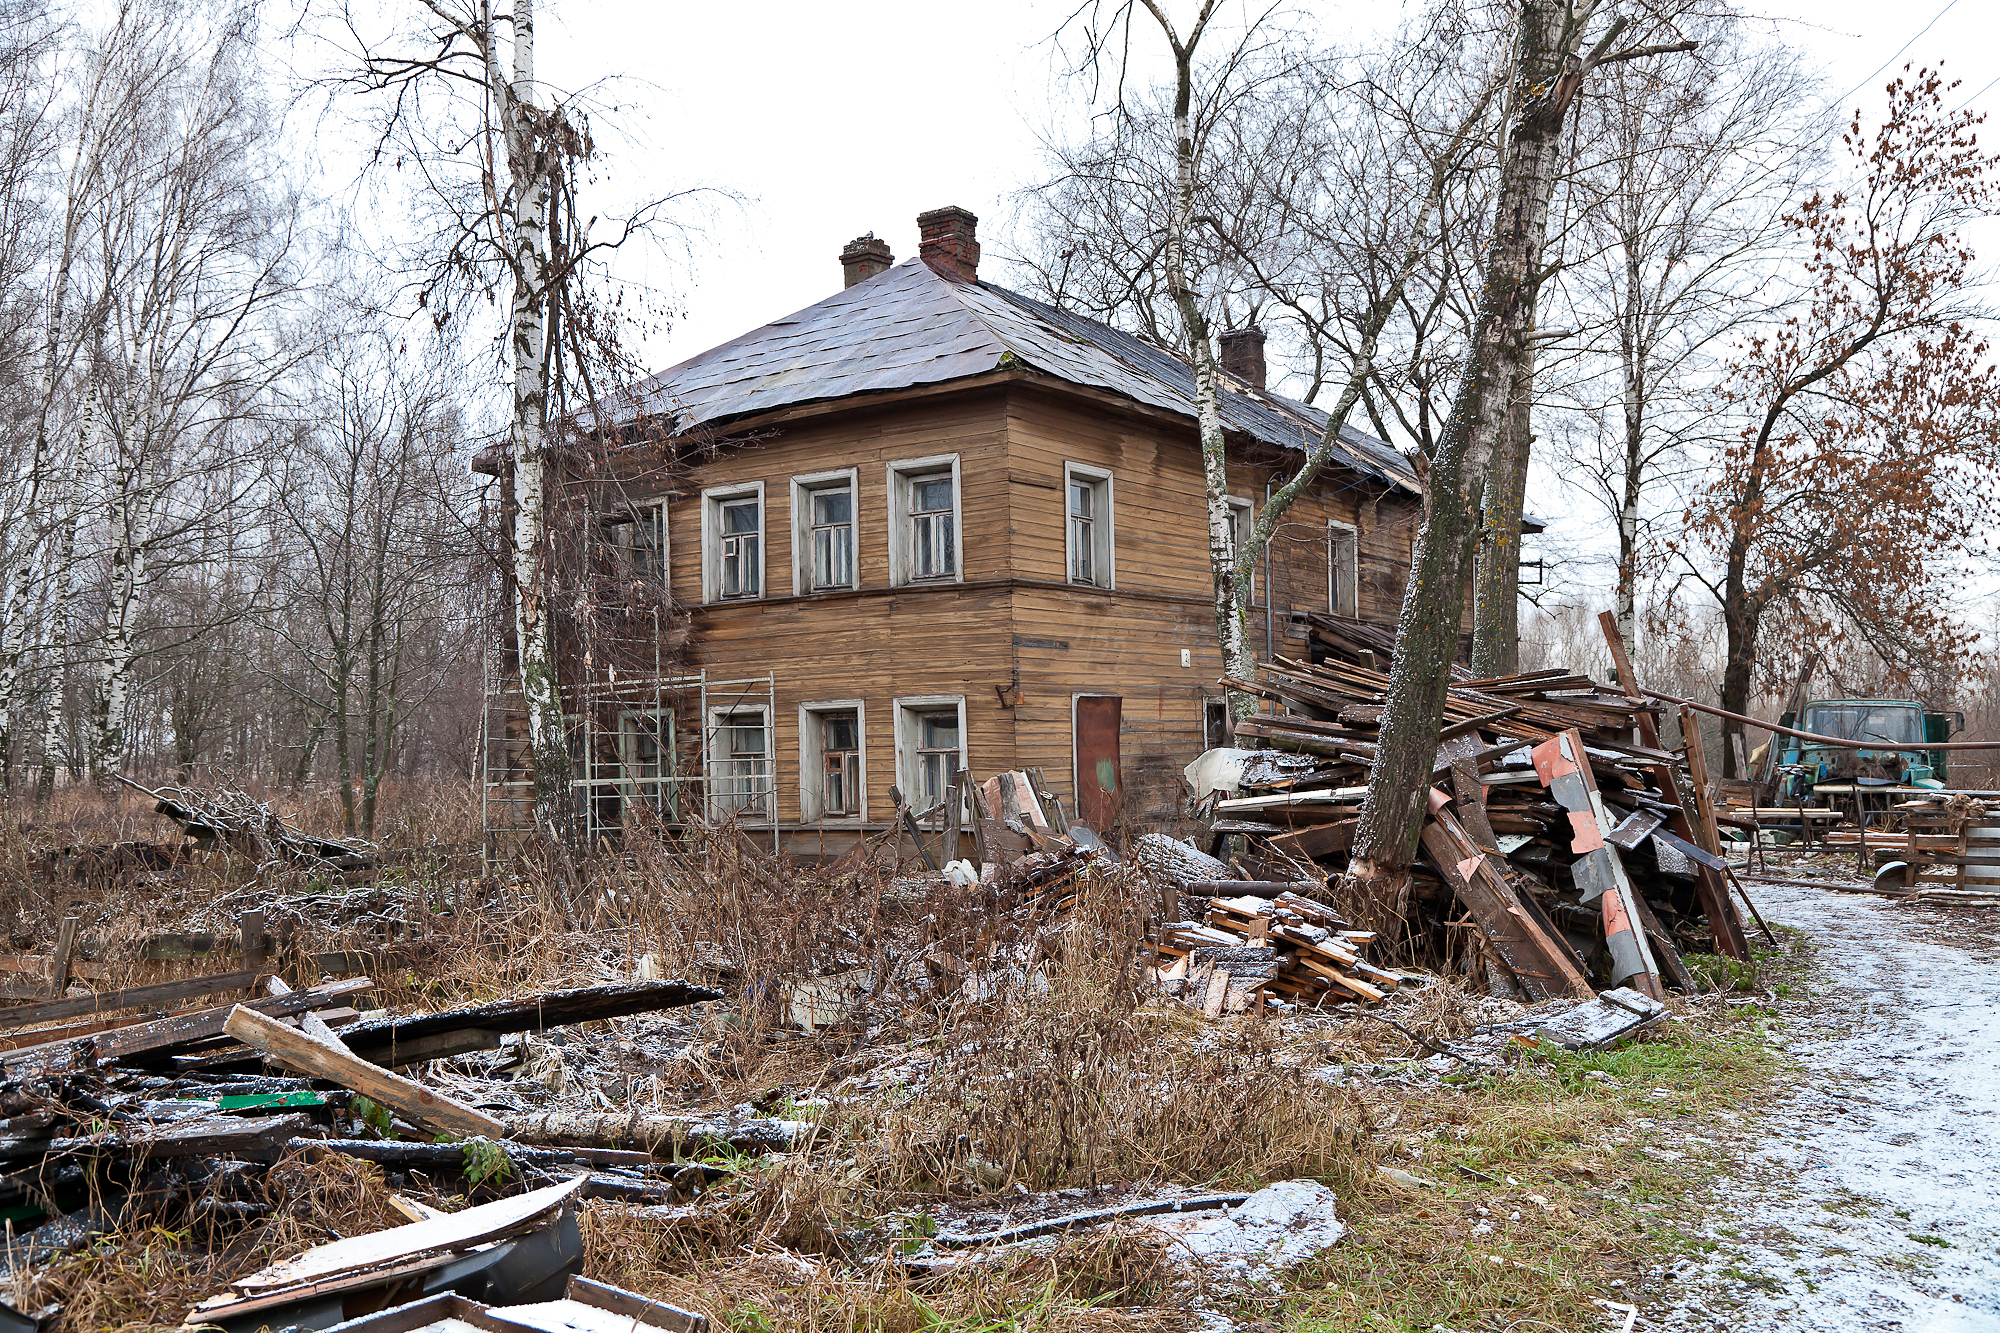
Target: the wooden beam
(136, 997)
(301, 1052)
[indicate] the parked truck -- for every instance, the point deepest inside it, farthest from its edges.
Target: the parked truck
(1902, 727)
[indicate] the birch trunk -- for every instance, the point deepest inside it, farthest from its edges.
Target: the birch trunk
(1496, 635)
(57, 628)
(528, 164)
(1550, 74)
(1632, 359)
(131, 512)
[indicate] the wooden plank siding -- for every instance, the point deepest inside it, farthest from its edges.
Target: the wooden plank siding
(1013, 638)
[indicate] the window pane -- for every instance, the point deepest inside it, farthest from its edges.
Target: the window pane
(947, 544)
(841, 732)
(940, 731)
(740, 516)
(930, 494)
(1081, 494)
(832, 506)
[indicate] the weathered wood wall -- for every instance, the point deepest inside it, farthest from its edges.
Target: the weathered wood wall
(1013, 638)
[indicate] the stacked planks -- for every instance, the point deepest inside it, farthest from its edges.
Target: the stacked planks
(1559, 829)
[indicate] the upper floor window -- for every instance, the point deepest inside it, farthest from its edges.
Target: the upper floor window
(1343, 570)
(924, 510)
(732, 538)
(1242, 519)
(1088, 533)
(823, 539)
(640, 538)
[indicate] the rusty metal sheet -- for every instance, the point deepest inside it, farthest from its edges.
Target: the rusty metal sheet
(1100, 783)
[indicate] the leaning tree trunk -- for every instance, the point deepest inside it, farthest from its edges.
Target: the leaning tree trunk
(1496, 619)
(529, 164)
(1392, 814)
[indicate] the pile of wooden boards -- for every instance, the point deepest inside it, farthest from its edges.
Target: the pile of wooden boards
(141, 1116)
(1290, 947)
(1559, 831)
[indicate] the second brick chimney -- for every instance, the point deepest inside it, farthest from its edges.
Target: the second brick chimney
(863, 257)
(1243, 355)
(948, 240)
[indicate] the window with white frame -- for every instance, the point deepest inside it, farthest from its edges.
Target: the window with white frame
(640, 536)
(1343, 570)
(1087, 527)
(833, 772)
(732, 539)
(1242, 518)
(823, 538)
(739, 763)
(646, 756)
(930, 748)
(924, 521)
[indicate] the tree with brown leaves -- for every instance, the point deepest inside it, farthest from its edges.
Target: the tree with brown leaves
(1861, 476)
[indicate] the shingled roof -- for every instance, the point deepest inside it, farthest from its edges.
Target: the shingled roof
(910, 326)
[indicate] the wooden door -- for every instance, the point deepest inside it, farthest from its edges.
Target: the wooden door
(1100, 787)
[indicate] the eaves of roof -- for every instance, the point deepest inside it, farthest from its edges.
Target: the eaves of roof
(909, 326)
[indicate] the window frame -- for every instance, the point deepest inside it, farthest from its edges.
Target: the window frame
(714, 723)
(713, 498)
(812, 751)
(1345, 573)
(629, 521)
(1244, 505)
(665, 800)
(1104, 527)
(901, 474)
(803, 488)
(908, 709)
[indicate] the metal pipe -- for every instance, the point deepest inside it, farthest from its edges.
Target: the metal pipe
(1838, 742)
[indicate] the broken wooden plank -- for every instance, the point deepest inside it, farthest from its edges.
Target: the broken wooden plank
(1540, 964)
(389, 1040)
(298, 1051)
(137, 997)
(377, 1250)
(1564, 769)
(1614, 1014)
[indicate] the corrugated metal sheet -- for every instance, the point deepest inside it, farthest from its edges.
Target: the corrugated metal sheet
(910, 327)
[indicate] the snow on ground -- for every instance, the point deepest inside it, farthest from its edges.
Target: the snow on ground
(1871, 1199)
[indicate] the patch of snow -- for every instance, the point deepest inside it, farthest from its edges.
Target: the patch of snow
(1278, 1227)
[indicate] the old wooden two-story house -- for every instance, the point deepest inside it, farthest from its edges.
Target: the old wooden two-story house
(936, 524)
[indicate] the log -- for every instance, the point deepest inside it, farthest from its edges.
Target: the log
(387, 1041)
(296, 1050)
(674, 1134)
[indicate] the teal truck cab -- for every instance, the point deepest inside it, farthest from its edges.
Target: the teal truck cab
(1898, 730)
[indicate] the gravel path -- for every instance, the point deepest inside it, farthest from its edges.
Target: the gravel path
(1871, 1198)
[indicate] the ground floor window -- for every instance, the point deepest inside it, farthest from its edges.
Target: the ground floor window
(646, 757)
(832, 768)
(930, 749)
(739, 765)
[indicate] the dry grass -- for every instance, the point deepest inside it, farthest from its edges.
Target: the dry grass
(1008, 1052)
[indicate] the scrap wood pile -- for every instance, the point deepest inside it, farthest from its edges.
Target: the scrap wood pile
(1560, 836)
(137, 1119)
(1255, 940)
(242, 824)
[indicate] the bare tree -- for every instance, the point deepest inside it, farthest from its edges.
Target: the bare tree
(1202, 223)
(1553, 60)
(1674, 219)
(500, 162)
(370, 507)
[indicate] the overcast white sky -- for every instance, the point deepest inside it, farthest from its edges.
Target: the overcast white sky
(834, 120)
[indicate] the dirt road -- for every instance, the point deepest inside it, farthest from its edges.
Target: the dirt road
(1870, 1198)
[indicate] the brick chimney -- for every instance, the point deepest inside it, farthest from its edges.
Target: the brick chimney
(863, 257)
(1243, 354)
(948, 240)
